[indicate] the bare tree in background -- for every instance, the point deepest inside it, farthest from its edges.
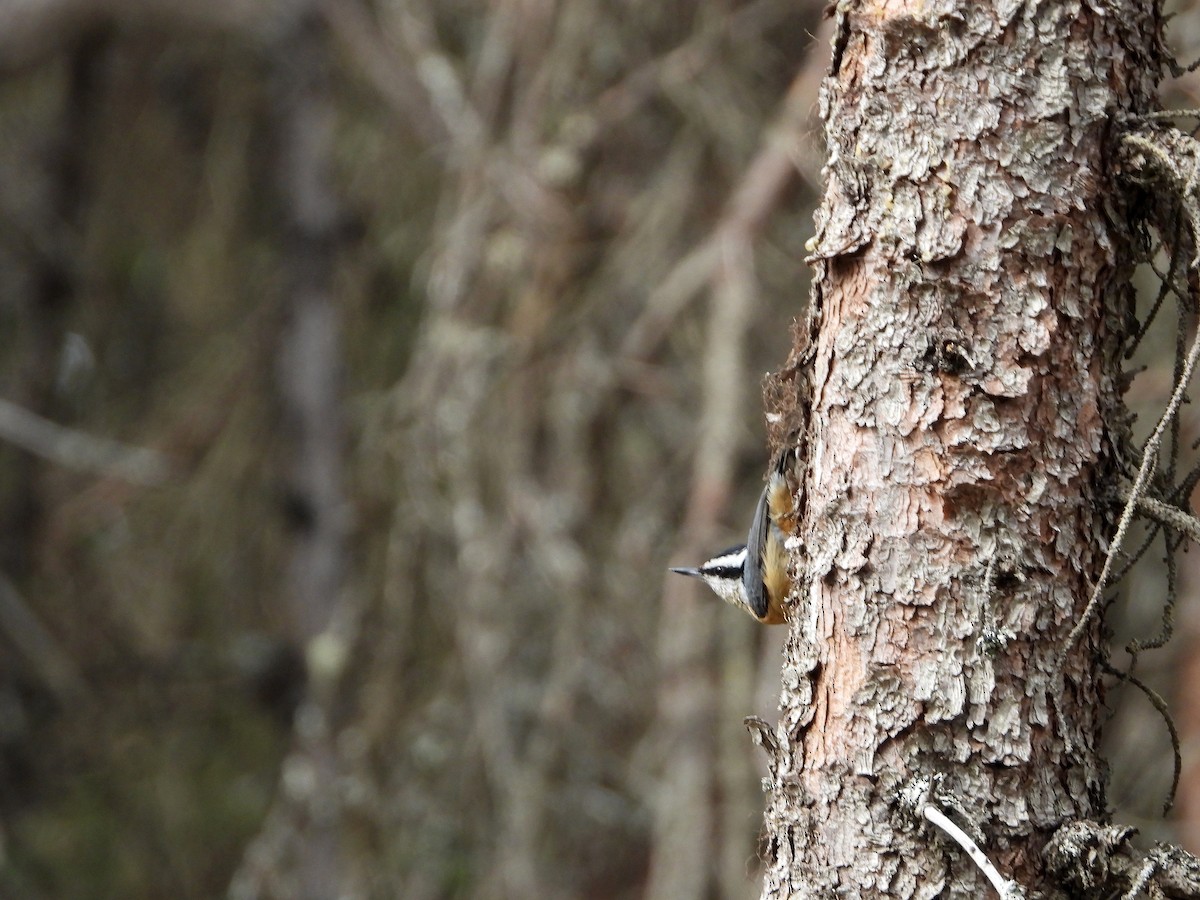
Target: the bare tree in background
(300, 850)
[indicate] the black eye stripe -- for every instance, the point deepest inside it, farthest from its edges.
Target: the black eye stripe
(731, 572)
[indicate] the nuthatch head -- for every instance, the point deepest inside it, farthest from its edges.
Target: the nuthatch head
(723, 573)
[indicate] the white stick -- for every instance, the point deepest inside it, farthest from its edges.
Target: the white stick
(1006, 889)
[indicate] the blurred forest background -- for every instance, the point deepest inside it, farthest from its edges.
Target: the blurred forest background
(362, 368)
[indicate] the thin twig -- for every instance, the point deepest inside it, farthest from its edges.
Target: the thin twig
(1132, 559)
(1140, 880)
(1167, 619)
(1166, 514)
(1166, 287)
(1161, 114)
(1160, 705)
(1149, 455)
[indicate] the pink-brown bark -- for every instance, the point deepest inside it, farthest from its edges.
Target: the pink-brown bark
(966, 325)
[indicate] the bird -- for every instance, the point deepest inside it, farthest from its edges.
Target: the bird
(754, 576)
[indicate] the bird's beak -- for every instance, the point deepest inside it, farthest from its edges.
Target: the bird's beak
(695, 572)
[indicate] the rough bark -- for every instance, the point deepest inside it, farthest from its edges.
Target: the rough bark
(965, 328)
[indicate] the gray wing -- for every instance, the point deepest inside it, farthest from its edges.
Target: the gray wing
(752, 580)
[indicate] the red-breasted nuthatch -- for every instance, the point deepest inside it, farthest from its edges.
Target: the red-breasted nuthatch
(753, 575)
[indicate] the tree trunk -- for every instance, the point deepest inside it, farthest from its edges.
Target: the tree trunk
(958, 374)
(299, 851)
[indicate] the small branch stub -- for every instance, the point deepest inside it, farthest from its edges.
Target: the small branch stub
(763, 736)
(1096, 860)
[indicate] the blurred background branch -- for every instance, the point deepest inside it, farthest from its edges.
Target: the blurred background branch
(76, 450)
